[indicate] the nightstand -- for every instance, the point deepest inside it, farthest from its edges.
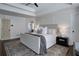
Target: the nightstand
(62, 40)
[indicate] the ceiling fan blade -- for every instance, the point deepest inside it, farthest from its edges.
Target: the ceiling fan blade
(69, 3)
(36, 4)
(27, 3)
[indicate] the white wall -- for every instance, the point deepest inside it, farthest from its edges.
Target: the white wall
(0, 28)
(62, 17)
(76, 24)
(45, 19)
(65, 18)
(20, 25)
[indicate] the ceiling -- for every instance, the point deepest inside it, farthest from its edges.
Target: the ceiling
(45, 6)
(32, 10)
(48, 7)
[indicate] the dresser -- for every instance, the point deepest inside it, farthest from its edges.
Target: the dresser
(62, 40)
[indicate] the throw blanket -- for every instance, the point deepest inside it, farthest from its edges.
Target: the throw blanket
(43, 49)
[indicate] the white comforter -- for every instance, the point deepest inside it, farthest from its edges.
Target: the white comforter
(33, 42)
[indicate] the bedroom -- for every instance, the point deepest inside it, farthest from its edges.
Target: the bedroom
(54, 22)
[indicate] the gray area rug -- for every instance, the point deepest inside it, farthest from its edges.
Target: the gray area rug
(16, 48)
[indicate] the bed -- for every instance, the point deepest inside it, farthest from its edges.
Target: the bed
(33, 41)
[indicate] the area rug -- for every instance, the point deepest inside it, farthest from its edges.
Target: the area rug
(16, 48)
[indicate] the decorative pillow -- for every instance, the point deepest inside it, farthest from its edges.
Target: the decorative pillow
(44, 30)
(40, 30)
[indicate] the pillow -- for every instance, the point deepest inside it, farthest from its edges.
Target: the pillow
(44, 31)
(39, 30)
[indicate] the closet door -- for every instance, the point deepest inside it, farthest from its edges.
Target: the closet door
(5, 29)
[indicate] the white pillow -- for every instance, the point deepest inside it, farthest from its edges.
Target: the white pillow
(44, 30)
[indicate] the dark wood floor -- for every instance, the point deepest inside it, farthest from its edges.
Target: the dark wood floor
(3, 52)
(70, 51)
(2, 48)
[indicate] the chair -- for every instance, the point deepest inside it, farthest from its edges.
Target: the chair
(76, 49)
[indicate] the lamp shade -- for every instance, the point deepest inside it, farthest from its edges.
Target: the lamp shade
(63, 30)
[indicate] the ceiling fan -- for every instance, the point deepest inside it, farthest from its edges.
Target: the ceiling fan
(32, 3)
(38, 6)
(69, 3)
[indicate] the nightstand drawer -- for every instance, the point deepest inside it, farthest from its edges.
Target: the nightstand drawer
(61, 40)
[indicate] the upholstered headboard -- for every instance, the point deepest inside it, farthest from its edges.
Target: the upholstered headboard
(52, 27)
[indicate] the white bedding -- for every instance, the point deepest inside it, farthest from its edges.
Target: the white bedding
(33, 42)
(50, 40)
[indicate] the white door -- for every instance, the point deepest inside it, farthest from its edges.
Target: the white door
(5, 30)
